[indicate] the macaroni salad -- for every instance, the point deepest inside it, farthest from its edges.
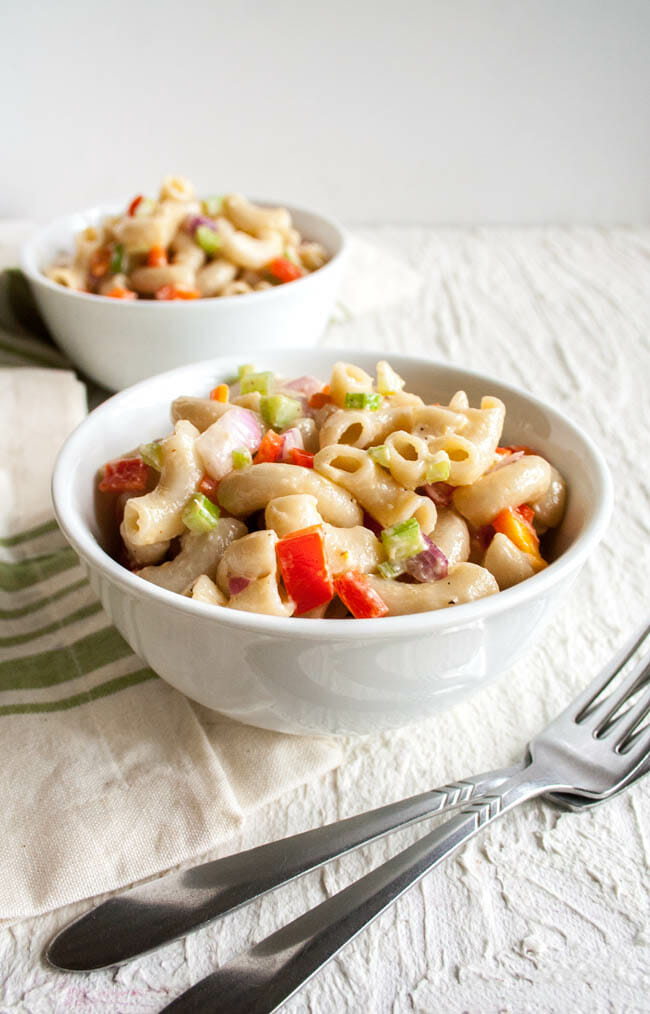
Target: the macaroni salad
(180, 247)
(295, 498)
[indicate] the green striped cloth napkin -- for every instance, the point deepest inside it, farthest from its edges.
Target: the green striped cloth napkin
(109, 775)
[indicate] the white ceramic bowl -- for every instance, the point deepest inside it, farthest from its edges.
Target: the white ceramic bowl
(328, 676)
(119, 342)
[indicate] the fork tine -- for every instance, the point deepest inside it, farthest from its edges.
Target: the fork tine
(633, 716)
(604, 712)
(579, 706)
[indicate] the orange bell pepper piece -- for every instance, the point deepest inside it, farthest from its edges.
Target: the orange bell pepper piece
(511, 522)
(220, 393)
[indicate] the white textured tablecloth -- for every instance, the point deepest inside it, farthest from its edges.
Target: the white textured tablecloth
(546, 912)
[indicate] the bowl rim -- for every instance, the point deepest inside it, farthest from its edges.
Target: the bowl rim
(80, 537)
(29, 265)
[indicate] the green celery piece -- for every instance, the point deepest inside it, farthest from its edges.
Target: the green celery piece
(151, 454)
(262, 382)
(436, 471)
(279, 411)
(362, 399)
(379, 455)
(117, 260)
(209, 240)
(200, 514)
(390, 570)
(212, 205)
(243, 371)
(241, 458)
(403, 540)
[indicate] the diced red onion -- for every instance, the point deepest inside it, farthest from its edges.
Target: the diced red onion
(306, 385)
(236, 429)
(507, 459)
(192, 223)
(440, 492)
(292, 439)
(237, 584)
(374, 526)
(429, 565)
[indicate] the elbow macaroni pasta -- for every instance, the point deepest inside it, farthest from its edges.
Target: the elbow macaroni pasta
(179, 247)
(352, 481)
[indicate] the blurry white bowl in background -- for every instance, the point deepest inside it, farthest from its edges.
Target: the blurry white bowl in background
(119, 342)
(328, 676)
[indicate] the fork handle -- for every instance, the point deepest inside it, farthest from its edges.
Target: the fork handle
(154, 914)
(262, 978)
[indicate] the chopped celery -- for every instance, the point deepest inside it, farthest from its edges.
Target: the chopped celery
(262, 382)
(241, 458)
(363, 399)
(436, 469)
(390, 570)
(209, 240)
(116, 265)
(151, 454)
(279, 411)
(403, 540)
(243, 371)
(200, 514)
(388, 382)
(212, 205)
(379, 455)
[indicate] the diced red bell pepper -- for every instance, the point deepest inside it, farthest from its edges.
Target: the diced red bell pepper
(284, 270)
(513, 448)
(300, 457)
(303, 565)
(157, 257)
(321, 398)
(527, 513)
(119, 292)
(270, 449)
(100, 262)
(126, 474)
(209, 487)
(134, 204)
(173, 292)
(358, 596)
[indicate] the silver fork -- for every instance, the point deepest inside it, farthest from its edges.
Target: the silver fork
(590, 751)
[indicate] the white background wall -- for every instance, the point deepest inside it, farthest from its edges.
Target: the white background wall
(442, 111)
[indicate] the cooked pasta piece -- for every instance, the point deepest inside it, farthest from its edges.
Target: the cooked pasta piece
(254, 219)
(205, 590)
(243, 493)
(507, 563)
(451, 535)
(213, 278)
(468, 435)
(248, 574)
(199, 554)
(201, 412)
(69, 277)
(348, 379)
(361, 428)
(248, 251)
(149, 280)
(186, 251)
(464, 583)
(158, 515)
(549, 507)
(525, 479)
(375, 490)
(409, 459)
